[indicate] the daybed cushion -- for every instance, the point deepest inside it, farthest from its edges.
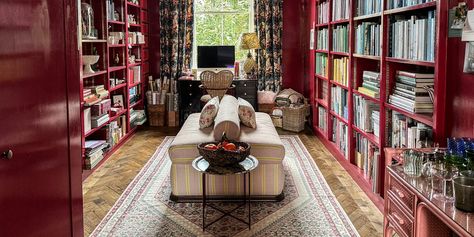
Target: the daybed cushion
(209, 113)
(265, 141)
(227, 119)
(247, 114)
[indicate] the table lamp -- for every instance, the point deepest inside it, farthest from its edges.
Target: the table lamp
(249, 41)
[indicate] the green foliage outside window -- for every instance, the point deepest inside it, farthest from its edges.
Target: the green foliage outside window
(221, 22)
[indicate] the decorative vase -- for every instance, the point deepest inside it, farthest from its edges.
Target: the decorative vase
(88, 61)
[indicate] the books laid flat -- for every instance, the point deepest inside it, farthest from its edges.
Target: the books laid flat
(370, 84)
(410, 92)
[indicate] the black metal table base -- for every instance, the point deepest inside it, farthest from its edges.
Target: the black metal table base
(246, 202)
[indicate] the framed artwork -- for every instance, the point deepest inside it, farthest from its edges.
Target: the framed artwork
(118, 101)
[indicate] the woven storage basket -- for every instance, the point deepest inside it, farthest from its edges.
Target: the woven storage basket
(294, 118)
(156, 115)
(266, 108)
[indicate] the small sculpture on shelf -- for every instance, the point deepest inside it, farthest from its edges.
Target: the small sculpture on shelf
(87, 61)
(116, 60)
(88, 28)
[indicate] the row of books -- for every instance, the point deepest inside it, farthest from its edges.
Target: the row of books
(322, 118)
(112, 10)
(340, 39)
(322, 64)
(370, 84)
(340, 137)
(367, 158)
(323, 13)
(411, 92)
(367, 38)
(367, 7)
(413, 37)
(324, 90)
(341, 70)
(340, 10)
(115, 130)
(323, 37)
(134, 75)
(364, 117)
(339, 101)
(392, 4)
(134, 94)
(408, 133)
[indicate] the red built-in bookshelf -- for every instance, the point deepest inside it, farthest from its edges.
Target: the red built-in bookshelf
(108, 69)
(387, 67)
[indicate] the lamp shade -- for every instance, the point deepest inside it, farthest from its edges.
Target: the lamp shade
(249, 41)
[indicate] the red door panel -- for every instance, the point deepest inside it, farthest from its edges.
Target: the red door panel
(35, 185)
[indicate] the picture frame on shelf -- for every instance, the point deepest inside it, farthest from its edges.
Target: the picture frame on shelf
(118, 101)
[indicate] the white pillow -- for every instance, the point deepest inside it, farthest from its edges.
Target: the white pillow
(227, 119)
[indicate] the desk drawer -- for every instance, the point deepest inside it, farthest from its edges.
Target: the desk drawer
(398, 218)
(402, 194)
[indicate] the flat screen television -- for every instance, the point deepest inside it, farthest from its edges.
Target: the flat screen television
(216, 56)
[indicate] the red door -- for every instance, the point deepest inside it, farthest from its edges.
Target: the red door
(40, 194)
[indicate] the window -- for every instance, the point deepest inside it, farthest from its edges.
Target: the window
(221, 22)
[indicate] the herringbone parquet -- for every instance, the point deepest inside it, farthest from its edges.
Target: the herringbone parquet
(105, 186)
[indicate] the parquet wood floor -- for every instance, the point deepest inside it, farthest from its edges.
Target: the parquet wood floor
(105, 186)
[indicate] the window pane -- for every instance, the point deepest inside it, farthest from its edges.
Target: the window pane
(234, 26)
(208, 29)
(222, 5)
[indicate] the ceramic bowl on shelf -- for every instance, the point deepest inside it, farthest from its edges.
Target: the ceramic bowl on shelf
(87, 61)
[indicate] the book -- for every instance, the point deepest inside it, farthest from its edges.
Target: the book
(340, 10)
(339, 101)
(408, 133)
(367, 159)
(393, 4)
(323, 13)
(340, 39)
(322, 118)
(368, 92)
(322, 43)
(322, 64)
(340, 136)
(341, 70)
(367, 38)
(363, 110)
(367, 7)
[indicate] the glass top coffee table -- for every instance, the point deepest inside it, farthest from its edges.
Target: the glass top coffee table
(244, 168)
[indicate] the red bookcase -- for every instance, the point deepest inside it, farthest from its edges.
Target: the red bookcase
(108, 68)
(387, 67)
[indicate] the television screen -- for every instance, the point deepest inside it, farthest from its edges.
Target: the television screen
(216, 56)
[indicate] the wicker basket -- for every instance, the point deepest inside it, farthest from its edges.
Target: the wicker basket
(221, 157)
(294, 118)
(156, 115)
(266, 108)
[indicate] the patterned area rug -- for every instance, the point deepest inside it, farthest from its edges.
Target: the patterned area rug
(309, 207)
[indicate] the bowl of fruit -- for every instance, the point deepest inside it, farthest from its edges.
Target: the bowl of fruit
(224, 153)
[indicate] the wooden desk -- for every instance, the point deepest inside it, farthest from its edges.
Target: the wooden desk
(410, 209)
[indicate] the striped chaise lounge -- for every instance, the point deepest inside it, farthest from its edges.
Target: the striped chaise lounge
(267, 179)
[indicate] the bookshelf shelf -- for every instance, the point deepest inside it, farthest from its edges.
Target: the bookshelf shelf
(376, 73)
(410, 62)
(411, 8)
(340, 118)
(367, 17)
(340, 53)
(121, 123)
(93, 41)
(371, 57)
(371, 137)
(321, 51)
(118, 87)
(321, 77)
(345, 21)
(339, 85)
(426, 119)
(116, 68)
(94, 74)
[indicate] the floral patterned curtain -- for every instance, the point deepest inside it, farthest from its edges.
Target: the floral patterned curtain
(269, 27)
(176, 37)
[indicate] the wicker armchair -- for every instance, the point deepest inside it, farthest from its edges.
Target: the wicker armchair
(217, 84)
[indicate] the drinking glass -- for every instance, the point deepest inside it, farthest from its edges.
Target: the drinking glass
(442, 181)
(412, 163)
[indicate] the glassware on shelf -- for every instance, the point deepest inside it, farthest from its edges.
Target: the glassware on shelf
(88, 27)
(442, 181)
(412, 163)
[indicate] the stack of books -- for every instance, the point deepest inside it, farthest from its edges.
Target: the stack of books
(413, 38)
(94, 153)
(367, 158)
(339, 101)
(101, 108)
(99, 91)
(363, 113)
(409, 93)
(340, 10)
(322, 64)
(323, 13)
(340, 39)
(367, 39)
(89, 97)
(341, 70)
(322, 118)
(322, 43)
(98, 121)
(393, 4)
(114, 131)
(370, 84)
(408, 133)
(339, 136)
(367, 7)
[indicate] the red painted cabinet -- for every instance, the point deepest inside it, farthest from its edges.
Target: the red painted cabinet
(40, 187)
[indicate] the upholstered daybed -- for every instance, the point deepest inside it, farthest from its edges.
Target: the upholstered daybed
(267, 180)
